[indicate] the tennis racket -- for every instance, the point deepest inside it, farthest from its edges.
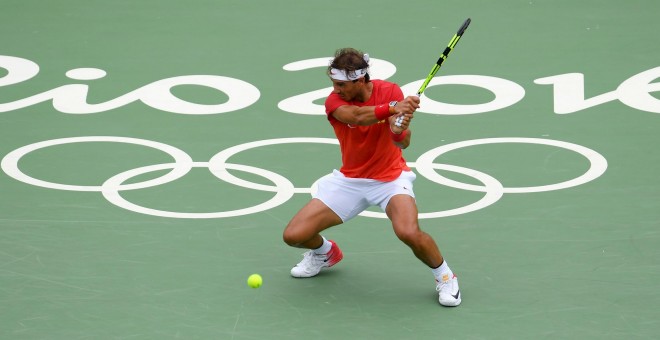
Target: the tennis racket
(450, 47)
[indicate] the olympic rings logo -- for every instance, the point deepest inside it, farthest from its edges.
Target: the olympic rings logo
(282, 187)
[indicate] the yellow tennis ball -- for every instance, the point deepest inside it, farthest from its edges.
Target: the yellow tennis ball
(255, 281)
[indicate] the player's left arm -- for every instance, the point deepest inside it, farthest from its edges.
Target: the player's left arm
(401, 132)
(400, 122)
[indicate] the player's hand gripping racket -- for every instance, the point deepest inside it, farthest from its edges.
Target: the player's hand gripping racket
(452, 43)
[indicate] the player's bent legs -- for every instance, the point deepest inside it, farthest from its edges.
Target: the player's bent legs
(303, 232)
(402, 211)
(304, 228)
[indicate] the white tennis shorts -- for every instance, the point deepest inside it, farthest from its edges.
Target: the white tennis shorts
(348, 197)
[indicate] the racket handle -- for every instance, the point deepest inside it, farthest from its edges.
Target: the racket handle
(398, 121)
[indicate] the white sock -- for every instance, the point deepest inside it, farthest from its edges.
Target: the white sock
(324, 248)
(441, 271)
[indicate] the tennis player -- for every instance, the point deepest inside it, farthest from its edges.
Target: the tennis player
(371, 120)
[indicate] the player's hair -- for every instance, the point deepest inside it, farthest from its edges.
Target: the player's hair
(349, 59)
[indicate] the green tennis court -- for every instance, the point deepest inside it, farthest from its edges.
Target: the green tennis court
(153, 151)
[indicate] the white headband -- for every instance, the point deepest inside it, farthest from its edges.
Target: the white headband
(341, 75)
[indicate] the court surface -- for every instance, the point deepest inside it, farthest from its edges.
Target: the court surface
(153, 151)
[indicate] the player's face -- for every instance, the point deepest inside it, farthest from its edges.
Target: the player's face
(347, 90)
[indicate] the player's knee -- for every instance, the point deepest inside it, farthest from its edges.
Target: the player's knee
(288, 237)
(291, 237)
(409, 236)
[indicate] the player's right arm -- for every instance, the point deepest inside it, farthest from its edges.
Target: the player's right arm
(367, 115)
(356, 115)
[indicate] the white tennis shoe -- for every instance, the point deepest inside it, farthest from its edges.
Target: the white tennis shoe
(312, 263)
(448, 293)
